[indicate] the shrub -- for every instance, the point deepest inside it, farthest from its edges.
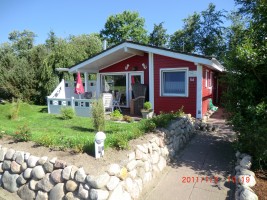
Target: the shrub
(2, 133)
(116, 115)
(15, 108)
(251, 127)
(128, 118)
(98, 115)
(147, 105)
(119, 141)
(46, 140)
(23, 134)
(180, 112)
(67, 113)
(147, 125)
(163, 119)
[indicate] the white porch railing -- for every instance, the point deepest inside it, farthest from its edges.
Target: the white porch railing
(82, 107)
(70, 85)
(59, 92)
(64, 96)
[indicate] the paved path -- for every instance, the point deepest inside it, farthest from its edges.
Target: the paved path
(5, 195)
(208, 157)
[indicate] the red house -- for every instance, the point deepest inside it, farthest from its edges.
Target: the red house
(174, 79)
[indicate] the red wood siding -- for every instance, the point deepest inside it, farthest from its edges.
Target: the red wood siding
(135, 61)
(167, 104)
(206, 92)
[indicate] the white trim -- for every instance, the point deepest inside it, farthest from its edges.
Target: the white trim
(211, 63)
(180, 69)
(99, 56)
(127, 74)
(191, 58)
(217, 90)
(130, 74)
(133, 51)
(86, 81)
(151, 78)
(211, 79)
(199, 92)
(98, 82)
(106, 66)
(206, 78)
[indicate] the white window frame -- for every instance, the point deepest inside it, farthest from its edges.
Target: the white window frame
(207, 78)
(211, 79)
(183, 69)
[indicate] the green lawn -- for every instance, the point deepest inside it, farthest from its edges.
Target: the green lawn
(77, 133)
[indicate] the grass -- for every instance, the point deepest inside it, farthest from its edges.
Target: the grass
(77, 133)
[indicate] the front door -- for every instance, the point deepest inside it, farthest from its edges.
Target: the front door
(135, 77)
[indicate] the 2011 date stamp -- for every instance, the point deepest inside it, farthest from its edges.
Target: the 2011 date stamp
(200, 179)
(214, 179)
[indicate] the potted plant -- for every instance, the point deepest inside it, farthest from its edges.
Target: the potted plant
(147, 111)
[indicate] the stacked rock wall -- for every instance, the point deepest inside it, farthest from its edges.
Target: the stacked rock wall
(244, 178)
(39, 178)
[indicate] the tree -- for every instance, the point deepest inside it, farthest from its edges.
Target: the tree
(158, 37)
(202, 33)
(246, 97)
(187, 39)
(29, 72)
(211, 41)
(125, 26)
(22, 41)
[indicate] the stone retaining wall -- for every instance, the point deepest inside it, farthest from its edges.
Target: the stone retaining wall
(244, 178)
(39, 178)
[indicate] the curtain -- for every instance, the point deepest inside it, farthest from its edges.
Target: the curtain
(174, 82)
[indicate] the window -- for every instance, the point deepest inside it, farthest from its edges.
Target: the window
(211, 79)
(174, 82)
(207, 78)
(114, 83)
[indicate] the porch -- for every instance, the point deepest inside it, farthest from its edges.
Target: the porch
(115, 90)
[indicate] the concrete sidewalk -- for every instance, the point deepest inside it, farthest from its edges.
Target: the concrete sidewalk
(201, 170)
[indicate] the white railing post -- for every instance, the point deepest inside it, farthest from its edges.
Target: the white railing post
(98, 83)
(72, 103)
(86, 81)
(48, 104)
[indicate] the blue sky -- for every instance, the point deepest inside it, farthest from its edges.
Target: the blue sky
(76, 17)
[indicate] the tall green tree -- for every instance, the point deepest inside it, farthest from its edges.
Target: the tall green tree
(187, 39)
(125, 26)
(211, 33)
(246, 97)
(158, 37)
(28, 71)
(22, 41)
(202, 33)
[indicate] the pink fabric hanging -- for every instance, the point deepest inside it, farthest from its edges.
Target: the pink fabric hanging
(79, 85)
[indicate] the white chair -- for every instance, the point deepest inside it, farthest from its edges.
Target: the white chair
(116, 101)
(108, 102)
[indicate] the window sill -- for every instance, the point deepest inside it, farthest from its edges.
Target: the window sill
(173, 95)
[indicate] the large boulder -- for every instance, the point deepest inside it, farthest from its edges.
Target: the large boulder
(98, 182)
(98, 194)
(9, 181)
(26, 193)
(57, 193)
(38, 172)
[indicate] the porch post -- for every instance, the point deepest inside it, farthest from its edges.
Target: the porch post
(85, 81)
(199, 92)
(98, 82)
(151, 78)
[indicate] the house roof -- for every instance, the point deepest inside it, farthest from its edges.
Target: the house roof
(128, 49)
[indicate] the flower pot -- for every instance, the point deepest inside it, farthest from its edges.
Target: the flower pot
(147, 114)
